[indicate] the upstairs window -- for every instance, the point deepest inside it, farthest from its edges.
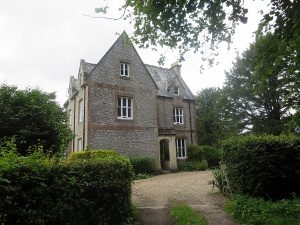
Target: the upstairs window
(124, 69)
(125, 108)
(180, 148)
(176, 90)
(80, 115)
(178, 115)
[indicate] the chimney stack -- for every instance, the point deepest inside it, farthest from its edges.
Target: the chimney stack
(176, 67)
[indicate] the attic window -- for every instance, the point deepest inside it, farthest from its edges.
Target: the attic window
(176, 90)
(124, 69)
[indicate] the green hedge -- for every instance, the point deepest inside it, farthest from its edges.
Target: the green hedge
(194, 153)
(256, 211)
(92, 154)
(42, 191)
(212, 155)
(142, 165)
(184, 165)
(267, 166)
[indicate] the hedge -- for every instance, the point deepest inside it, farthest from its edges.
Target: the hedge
(212, 155)
(44, 191)
(143, 165)
(184, 165)
(267, 166)
(194, 153)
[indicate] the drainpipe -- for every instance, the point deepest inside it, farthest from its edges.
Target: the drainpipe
(83, 132)
(74, 122)
(191, 131)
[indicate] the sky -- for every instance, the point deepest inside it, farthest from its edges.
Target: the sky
(42, 42)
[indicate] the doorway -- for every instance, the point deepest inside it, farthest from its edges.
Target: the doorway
(164, 154)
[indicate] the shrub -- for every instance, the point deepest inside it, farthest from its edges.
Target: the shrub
(92, 154)
(143, 165)
(37, 190)
(266, 166)
(184, 165)
(194, 153)
(256, 211)
(211, 155)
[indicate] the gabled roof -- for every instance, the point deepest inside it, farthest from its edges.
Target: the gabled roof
(73, 84)
(86, 67)
(165, 78)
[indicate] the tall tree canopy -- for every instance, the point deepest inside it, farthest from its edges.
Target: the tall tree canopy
(260, 89)
(212, 125)
(33, 118)
(192, 24)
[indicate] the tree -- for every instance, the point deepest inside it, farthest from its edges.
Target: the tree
(212, 126)
(193, 24)
(260, 89)
(34, 119)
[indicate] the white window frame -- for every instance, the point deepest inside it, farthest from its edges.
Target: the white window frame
(180, 148)
(80, 111)
(124, 69)
(125, 108)
(178, 115)
(176, 90)
(79, 144)
(70, 117)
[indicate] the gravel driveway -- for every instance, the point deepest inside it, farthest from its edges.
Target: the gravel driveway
(191, 188)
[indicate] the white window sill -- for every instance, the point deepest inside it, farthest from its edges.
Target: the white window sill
(121, 118)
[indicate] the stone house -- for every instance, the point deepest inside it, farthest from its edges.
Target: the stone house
(136, 109)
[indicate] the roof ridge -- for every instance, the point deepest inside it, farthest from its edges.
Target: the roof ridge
(157, 66)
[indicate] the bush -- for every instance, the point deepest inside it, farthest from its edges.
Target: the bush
(184, 165)
(92, 154)
(256, 211)
(266, 166)
(37, 190)
(194, 153)
(211, 155)
(142, 165)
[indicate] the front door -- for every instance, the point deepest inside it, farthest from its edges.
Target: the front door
(164, 154)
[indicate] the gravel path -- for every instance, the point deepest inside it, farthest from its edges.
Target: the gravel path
(191, 188)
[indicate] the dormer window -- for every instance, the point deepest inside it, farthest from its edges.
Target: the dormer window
(124, 69)
(176, 90)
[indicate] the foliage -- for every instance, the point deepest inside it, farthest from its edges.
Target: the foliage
(34, 119)
(220, 181)
(184, 165)
(266, 166)
(212, 155)
(143, 165)
(141, 176)
(211, 124)
(194, 153)
(184, 214)
(259, 94)
(93, 154)
(199, 24)
(38, 190)
(256, 211)
(184, 24)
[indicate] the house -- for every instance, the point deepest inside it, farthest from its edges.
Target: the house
(137, 109)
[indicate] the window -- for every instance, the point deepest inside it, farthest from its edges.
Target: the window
(70, 117)
(178, 115)
(80, 116)
(176, 90)
(180, 148)
(124, 70)
(125, 108)
(79, 144)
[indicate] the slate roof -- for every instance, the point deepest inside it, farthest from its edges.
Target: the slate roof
(164, 79)
(74, 84)
(87, 67)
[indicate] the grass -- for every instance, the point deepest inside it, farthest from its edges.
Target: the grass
(257, 211)
(185, 215)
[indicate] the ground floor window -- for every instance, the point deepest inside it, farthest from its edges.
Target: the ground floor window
(79, 144)
(125, 108)
(181, 148)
